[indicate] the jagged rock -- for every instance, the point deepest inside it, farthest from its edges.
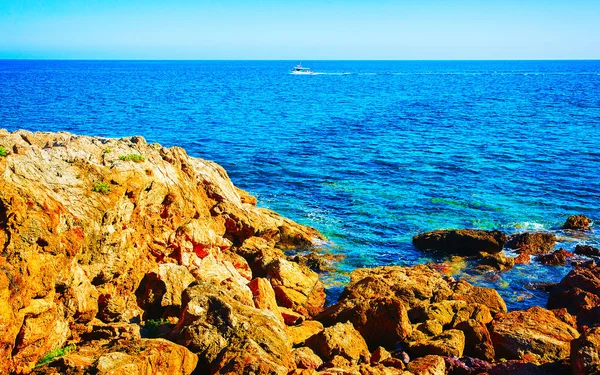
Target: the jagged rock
(300, 333)
(461, 242)
(427, 365)
(381, 321)
(532, 243)
(579, 293)
(557, 258)
(587, 251)
(585, 353)
(379, 355)
(451, 312)
(450, 343)
(290, 317)
(159, 293)
(81, 226)
(296, 287)
(536, 335)
(230, 336)
(340, 340)
(305, 358)
(578, 222)
(523, 258)
(264, 296)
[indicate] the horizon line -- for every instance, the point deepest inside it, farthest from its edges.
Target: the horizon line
(176, 59)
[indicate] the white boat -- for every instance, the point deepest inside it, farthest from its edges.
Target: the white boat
(298, 69)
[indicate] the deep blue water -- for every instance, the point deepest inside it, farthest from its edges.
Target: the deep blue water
(370, 158)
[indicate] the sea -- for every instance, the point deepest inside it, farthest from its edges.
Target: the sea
(370, 153)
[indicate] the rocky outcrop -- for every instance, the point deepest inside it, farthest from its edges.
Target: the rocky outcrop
(115, 230)
(585, 353)
(556, 258)
(587, 251)
(535, 335)
(579, 293)
(532, 243)
(577, 222)
(461, 242)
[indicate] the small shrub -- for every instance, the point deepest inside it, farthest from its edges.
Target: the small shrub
(106, 151)
(2, 151)
(132, 157)
(153, 325)
(101, 187)
(55, 354)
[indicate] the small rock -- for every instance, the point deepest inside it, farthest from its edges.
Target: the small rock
(499, 261)
(577, 222)
(450, 343)
(305, 358)
(300, 333)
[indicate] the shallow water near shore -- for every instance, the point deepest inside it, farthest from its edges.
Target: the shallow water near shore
(369, 158)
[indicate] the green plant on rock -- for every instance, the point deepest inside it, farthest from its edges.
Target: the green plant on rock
(2, 151)
(101, 187)
(106, 151)
(132, 157)
(55, 354)
(152, 326)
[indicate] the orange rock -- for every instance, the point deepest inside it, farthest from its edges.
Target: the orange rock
(532, 243)
(264, 296)
(585, 353)
(536, 335)
(340, 340)
(300, 333)
(579, 222)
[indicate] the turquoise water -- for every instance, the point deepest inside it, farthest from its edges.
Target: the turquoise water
(370, 158)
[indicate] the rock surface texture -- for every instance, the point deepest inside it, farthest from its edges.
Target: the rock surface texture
(92, 236)
(461, 242)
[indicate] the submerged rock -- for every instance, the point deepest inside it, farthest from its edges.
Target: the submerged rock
(577, 222)
(461, 242)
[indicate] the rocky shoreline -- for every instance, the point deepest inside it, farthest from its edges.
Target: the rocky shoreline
(122, 257)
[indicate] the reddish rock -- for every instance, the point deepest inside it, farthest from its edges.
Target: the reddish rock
(577, 222)
(532, 243)
(585, 353)
(517, 367)
(461, 242)
(589, 251)
(340, 340)
(428, 365)
(557, 258)
(264, 296)
(466, 366)
(535, 335)
(474, 294)
(478, 342)
(523, 258)
(579, 293)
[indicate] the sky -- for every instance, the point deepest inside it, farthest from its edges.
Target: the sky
(300, 30)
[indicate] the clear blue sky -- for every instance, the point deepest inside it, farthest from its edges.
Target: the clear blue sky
(300, 29)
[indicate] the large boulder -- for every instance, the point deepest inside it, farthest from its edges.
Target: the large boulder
(461, 242)
(230, 336)
(450, 343)
(381, 321)
(579, 293)
(532, 243)
(418, 285)
(536, 335)
(578, 222)
(585, 353)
